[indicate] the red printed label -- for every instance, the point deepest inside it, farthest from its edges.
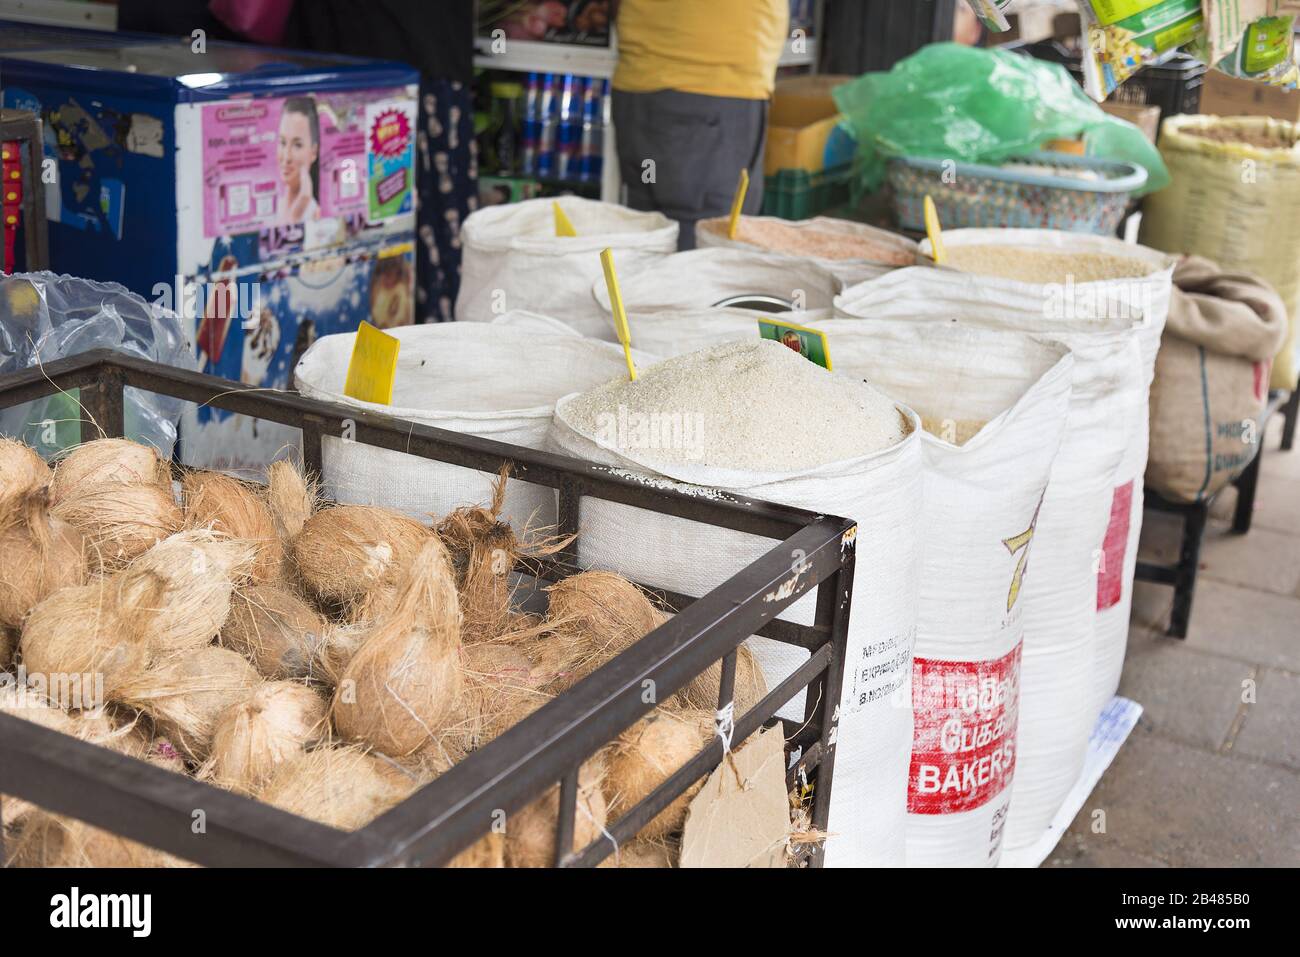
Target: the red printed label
(1110, 572)
(964, 743)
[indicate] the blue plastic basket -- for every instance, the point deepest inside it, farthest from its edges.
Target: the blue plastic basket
(972, 194)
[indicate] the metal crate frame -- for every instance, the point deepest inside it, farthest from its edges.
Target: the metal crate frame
(159, 808)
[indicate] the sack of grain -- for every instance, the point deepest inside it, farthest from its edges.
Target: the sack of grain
(1235, 199)
(701, 279)
(513, 260)
(852, 252)
(1073, 278)
(994, 407)
(839, 449)
(1060, 598)
(1211, 379)
(497, 380)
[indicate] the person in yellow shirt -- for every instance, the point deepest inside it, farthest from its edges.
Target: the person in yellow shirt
(691, 92)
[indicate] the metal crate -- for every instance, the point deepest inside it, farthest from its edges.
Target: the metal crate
(157, 807)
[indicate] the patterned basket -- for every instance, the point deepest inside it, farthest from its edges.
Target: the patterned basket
(1017, 194)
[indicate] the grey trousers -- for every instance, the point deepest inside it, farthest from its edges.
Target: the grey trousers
(682, 153)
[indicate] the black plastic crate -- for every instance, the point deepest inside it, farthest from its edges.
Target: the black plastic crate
(153, 806)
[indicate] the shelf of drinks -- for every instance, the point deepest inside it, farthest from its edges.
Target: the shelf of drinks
(532, 56)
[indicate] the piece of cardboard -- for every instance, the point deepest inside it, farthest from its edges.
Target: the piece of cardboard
(800, 121)
(741, 817)
(1224, 95)
(1144, 117)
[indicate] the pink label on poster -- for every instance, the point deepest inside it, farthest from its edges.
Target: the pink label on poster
(277, 161)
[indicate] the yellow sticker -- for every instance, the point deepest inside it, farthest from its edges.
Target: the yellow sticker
(738, 201)
(616, 307)
(934, 231)
(373, 366)
(563, 227)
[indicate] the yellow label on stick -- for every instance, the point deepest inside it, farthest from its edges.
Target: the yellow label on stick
(934, 231)
(738, 201)
(616, 307)
(809, 343)
(373, 366)
(563, 227)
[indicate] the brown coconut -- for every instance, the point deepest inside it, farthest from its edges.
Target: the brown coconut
(8, 645)
(106, 463)
(649, 854)
(337, 649)
(645, 756)
(83, 631)
(489, 851)
(530, 833)
(277, 722)
(593, 616)
(51, 840)
(397, 691)
(750, 687)
(21, 468)
(499, 691)
(350, 553)
(344, 788)
(41, 554)
(120, 522)
(182, 588)
(275, 629)
(291, 499)
(227, 505)
(186, 693)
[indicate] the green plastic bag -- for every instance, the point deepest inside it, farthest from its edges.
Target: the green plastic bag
(949, 101)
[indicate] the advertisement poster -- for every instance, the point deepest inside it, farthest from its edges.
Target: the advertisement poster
(278, 161)
(391, 139)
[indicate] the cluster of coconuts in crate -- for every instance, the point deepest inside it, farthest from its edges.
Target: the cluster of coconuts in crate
(326, 659)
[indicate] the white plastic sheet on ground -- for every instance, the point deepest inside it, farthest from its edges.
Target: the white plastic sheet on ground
(513, 260)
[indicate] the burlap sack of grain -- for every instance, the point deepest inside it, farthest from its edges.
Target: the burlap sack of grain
(1235, 199)
(1211, 379)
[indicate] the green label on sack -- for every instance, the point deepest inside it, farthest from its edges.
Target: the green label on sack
(809, 343)
(1266, 44)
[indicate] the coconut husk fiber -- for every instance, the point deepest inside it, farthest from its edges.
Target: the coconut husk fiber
(119, 522)
(355, 555)
(227, 505)
(593, 616)
(500, 690)
(291, 497)
(645, 756)
(51, 840)
(485, 552)
(702, 690)
(659, 853)
(84, 630)
(182, 587)
(344, 788)
(400, 687)
(41, 554)
(21, 469)
(8, 646)
(275, 629)
(489, 851)
(339, 646)
(106, 464)
(530, 833)
(186, 693)
(253, 738)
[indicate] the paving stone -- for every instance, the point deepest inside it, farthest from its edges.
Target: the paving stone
(1271, 731)
(1246, 624)
(1277, 504)
(1079, 847)
(1151, 606)
(1186, 694)
(1277, 462)
(1264, 559)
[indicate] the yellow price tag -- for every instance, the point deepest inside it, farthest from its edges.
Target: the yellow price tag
(934, 231)
(373, 366)
(616, 306)
(563, 227)
(738, 201)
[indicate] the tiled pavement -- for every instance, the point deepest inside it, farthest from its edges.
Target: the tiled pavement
(1211, 774)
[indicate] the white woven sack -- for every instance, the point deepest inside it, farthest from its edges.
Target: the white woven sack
(890, 249)
(498, 381)
(1148, 297)
(882, 493)
(977, 551)
(701, 278)
(512, 258)
(1061, 596)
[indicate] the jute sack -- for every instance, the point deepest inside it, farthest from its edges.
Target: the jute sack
(994, 405)
(881, 491)
(1234, 199)
(1145, 297)
(495, 380)
(1211, 379)
(513, 260)
(877, 250)
(1060, 597)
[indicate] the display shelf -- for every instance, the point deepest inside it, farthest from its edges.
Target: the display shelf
(533, 56)
(61, 13)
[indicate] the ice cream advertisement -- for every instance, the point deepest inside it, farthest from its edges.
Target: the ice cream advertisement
(390, 150)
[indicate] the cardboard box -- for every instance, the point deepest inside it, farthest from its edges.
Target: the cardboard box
(1224, 95)
(802, 118)
(1144, 117)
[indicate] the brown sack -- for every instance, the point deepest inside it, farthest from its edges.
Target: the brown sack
(1211, 379)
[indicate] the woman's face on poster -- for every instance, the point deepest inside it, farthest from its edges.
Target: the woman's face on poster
(296, 150)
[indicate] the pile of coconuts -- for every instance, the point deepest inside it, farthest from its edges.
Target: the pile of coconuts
(326, 659)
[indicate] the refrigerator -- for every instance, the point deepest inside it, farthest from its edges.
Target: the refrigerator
(265, 195)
